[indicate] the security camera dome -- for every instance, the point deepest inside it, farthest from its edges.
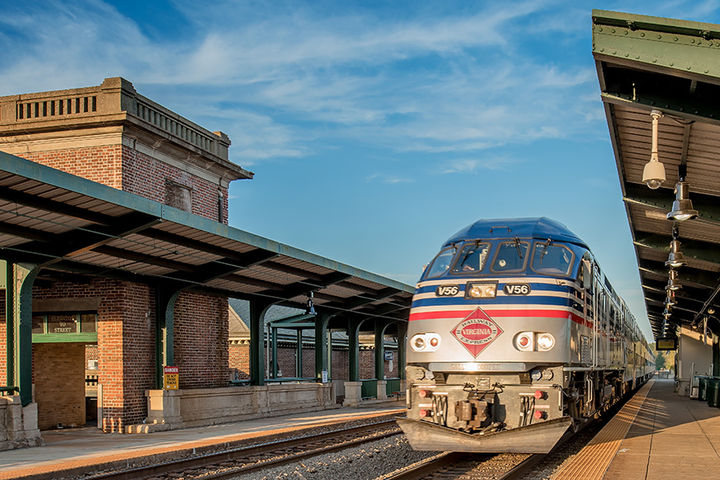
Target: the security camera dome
(653, 174)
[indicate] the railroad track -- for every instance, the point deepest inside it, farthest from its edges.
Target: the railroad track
(501, 466)
(242, 460)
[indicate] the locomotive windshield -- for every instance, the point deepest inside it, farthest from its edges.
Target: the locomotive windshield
(551, 259)
(510, 256)
(441, 264)
(472, 258)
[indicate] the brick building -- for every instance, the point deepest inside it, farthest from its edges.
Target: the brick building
(112, 135)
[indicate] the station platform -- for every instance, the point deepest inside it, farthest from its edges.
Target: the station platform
(656, 435)
(82, 450)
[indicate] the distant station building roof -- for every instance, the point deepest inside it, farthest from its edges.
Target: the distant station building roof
(73, 227)
(672, 66)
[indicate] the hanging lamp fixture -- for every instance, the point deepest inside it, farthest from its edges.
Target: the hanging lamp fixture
(676, 258)
(682, 207)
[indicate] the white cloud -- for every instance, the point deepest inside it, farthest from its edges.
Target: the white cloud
(384, 178)
(284, 80)
(471, 165)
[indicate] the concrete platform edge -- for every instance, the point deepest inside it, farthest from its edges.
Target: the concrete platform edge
(167, 453)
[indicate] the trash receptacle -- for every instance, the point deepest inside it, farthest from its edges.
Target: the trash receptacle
(713, 392)
(702, 387)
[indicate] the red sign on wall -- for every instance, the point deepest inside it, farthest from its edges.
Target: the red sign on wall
(477, 331)
(171, 378)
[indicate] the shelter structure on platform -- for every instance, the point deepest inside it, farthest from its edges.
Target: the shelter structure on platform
(137, 258)
(660, 84)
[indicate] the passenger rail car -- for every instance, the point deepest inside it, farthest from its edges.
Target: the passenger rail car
(514, 336)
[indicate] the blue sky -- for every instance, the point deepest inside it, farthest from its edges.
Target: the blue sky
(375, 129)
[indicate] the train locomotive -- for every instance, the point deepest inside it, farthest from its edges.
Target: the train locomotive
(514, 337)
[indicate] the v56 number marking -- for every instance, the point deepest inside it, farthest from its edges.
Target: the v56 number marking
(447, 290)
(517, 289)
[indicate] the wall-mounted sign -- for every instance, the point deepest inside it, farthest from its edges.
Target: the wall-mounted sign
(666, 343)
(171, 378)
(388, 356)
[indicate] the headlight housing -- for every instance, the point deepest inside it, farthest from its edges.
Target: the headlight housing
(425, 342)
(545, 342)
(534, 341)
(480, 290)
(525, 341)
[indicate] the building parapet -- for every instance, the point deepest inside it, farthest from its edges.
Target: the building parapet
(114, 101)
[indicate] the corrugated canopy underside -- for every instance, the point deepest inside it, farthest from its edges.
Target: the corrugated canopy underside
(647, 63)
(77, 229)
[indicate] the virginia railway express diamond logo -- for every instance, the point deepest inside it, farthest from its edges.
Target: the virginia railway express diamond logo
(476, 331)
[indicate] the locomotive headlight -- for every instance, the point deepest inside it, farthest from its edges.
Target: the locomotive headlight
(425, 342)
(481, 290)
(525, 341)
(545, 342)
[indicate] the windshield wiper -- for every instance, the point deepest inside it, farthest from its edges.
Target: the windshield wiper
(547, 243)
(517, 247)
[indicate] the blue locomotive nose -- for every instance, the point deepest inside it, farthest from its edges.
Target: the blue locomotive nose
(514, 332)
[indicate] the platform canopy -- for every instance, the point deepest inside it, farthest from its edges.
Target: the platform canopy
(74, 229)
(673, 66)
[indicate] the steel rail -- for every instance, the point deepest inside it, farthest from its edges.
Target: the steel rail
(281, 450)
(426, 467)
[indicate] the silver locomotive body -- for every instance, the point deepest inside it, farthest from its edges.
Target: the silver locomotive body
(505, 355)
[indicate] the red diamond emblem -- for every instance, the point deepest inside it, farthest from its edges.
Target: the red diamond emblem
(476, 332)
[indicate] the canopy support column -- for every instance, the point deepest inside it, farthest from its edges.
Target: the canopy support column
(19, 279)
(380, 327)
(716, 355)
(353, 351)
(299, 355)
(257, 337)
(165, 297)
(321, 348)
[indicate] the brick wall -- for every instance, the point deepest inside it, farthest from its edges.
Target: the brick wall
(340, 364)
(126, 169)
(126, 317)
(148, 177)
(101, 164)
(239, 361)
(91, 353)
(59, 383)
(126, 342)
(201, 338)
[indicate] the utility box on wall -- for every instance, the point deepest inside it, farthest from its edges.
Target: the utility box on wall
(694, 358)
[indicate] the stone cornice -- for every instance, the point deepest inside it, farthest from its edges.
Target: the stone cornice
(114, 102)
